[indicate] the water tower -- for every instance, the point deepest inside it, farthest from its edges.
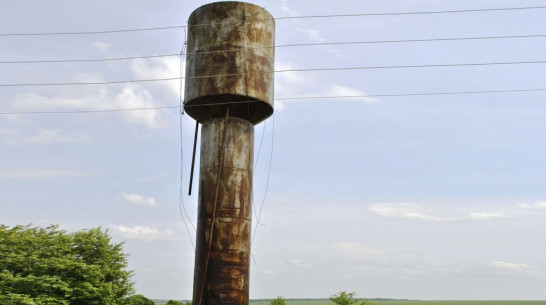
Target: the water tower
(229, 89)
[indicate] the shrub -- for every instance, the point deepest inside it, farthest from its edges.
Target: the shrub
(138, 299)
(173, 302)
(347, 298)
(278, 301)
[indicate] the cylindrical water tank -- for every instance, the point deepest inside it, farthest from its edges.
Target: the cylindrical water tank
(230, 62)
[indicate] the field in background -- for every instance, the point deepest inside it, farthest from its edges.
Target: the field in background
(391, 302)
(402, 302)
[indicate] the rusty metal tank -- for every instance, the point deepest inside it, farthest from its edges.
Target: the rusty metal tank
(230, 61)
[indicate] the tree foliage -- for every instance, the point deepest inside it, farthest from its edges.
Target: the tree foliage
(138, 299)
(174, 302)
(48, 266)
(278, 301)
(347, 298)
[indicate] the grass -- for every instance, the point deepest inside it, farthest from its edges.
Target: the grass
(392, 302)
(402, 302)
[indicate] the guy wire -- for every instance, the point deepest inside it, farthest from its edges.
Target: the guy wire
(268, 178)
(181, 205)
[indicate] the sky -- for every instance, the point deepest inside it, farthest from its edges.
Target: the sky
(439, 196)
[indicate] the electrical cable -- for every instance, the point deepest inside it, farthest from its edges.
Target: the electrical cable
(256, 164)
(283, 71)
(278, 46)
(260, 146)
(86, 60)
(415, 13)
(89, 111)
(283, 99)
(283, 18)
(181, 206)
(412, 94)
(410, 40)
(267, 181)
(93, 83)
(94, 32)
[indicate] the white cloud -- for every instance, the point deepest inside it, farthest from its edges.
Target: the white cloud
(40, 174)
(539, 205)
(412, 210)
(133, 96)
(102, 46)
(34, 102)
(414, 271)
(506, 267)
(176, 275)
(12, 136)
(138, 200)
(302, 87)
(486, 215)
(300, 264)
(88, 78)
(158, 68)
(290, 83)
(408, 210)
(287, 10)
(130, 96)
(313, 34)
(358, 252)
(338, 90)
(146, 233)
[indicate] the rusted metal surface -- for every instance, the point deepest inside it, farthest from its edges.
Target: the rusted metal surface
(229, 71)
(230, 59)
(226, 276)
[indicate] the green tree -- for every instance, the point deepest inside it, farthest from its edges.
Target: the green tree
(48, 266)
(278, 301)
(174, 302)
(138, 299)
(348, 298)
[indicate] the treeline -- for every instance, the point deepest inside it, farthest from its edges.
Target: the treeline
(49, 266)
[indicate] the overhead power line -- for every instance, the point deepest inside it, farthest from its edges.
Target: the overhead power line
(86, 60)
(284, 18)
(411, 94)
(416, 13)
(410, 40)
(284, 99)
(282, 71)
(94, 32)
(90, 111)
(93, 83)
(282, 46)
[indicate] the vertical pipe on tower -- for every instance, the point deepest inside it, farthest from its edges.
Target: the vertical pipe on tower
(229, 70)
